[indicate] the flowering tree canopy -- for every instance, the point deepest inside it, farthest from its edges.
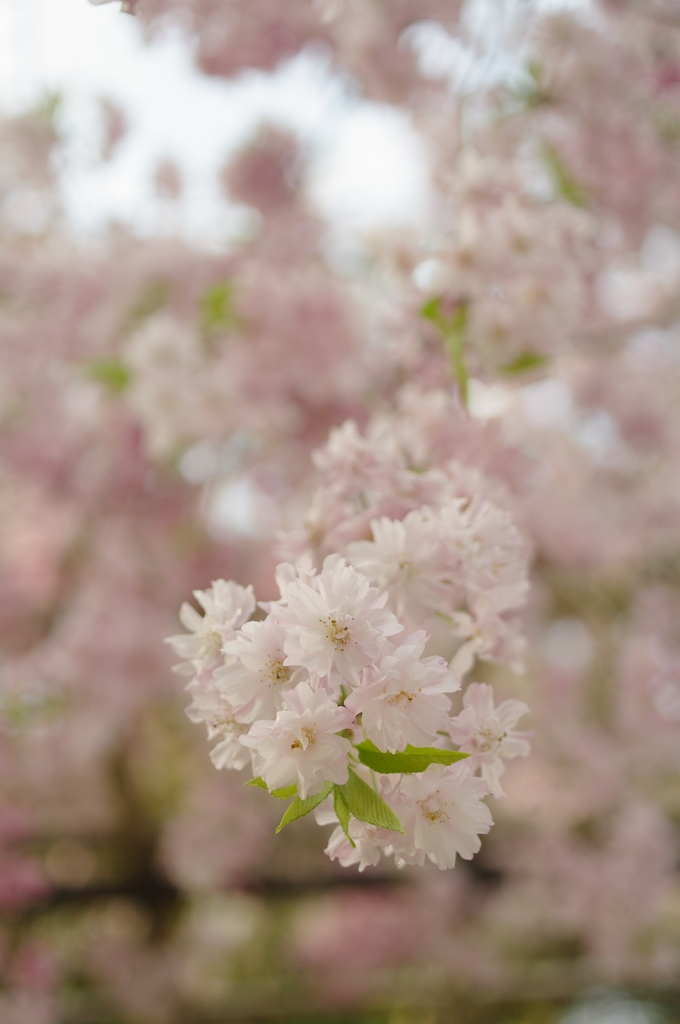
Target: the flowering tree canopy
(435, 488)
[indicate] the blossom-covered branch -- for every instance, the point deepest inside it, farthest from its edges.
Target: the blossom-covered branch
(333, 693)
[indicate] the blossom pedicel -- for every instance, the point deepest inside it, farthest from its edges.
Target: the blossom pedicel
(331, 695)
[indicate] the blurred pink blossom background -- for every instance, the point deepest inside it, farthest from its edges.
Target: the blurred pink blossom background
(172, 364)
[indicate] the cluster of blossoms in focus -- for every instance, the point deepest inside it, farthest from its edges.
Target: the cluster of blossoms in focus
(336, 694)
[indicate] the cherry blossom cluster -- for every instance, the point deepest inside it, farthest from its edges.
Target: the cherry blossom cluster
(423, 531)
(332, 693)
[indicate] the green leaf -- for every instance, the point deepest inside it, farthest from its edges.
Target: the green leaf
(523, 362)
(531, 91)
(458, 321)
(342, 810)
(299, 807)
(432, 310)
(48, 107)
(667, 124)
(565, 185)
(366, 805)
(257, 781)
(217, 307)
(284, 792)
(280, 794)
(454, 341)
(412, 759)
(152, 298)
(111, 372)
(452, 330)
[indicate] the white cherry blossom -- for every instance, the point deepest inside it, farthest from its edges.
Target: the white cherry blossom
(402, 699)
(254, 677)
(443, 814)
(339, 657)
(486, 733)
(226, 605)
(340, 622)
(287, 573)
(405, 559)
(300, 747)
(368, 840)
(487, 634)
(365, 852)
(211, 707)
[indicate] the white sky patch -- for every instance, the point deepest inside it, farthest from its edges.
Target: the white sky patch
(367, 170)
(372, 169)
(239, 508)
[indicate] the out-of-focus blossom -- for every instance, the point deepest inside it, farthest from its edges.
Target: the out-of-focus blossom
(226, 607)
(486, 732)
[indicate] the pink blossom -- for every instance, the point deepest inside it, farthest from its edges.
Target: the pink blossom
(209, 705)
(402, 698)
(486, 733)
(301, 746)
(368, 841)
(404, 559)
(254, 676)
(339, 622)
(226, 607)
(445, 815)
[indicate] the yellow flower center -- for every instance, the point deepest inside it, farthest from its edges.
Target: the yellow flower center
(278, 672)
(225, 723)
(211, 638)
(433, 813)
(403, 695)
(308, 733)
(338, 635)
(488, 740)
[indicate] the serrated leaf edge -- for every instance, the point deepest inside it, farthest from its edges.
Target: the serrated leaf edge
(343, 813)
(290, 814)
(355, 779)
